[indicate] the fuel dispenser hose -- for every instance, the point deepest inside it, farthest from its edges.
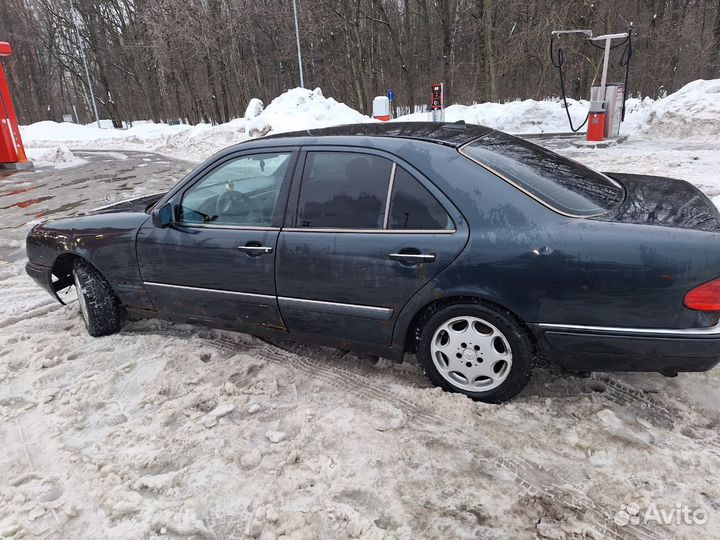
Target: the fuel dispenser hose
(559, 60)
(558, 63)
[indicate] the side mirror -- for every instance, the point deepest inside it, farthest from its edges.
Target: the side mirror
(162, 217)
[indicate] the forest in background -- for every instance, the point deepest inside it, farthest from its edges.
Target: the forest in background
(202, 60)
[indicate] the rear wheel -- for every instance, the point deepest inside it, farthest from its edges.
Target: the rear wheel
(478, 351)
(99, 306)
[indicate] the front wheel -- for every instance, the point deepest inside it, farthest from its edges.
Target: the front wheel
(478, 351)
(99, 306)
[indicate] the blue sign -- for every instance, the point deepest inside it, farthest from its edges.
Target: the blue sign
(391, 95)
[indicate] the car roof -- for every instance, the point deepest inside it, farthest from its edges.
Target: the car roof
(453, 134)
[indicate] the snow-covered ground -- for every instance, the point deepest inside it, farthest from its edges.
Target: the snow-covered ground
(166, 431)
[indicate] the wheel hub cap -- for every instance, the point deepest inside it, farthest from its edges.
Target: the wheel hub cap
(471, 354)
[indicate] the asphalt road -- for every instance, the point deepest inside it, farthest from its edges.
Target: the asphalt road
(27, 197)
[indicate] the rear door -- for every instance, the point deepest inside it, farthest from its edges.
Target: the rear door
(363, 233)
(216, 263)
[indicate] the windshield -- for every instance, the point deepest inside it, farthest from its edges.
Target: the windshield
(562, 184)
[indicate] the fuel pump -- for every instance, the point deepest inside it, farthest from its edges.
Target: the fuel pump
(12, 152)
(607, 101)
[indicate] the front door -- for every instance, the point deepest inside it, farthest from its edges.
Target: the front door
(216, 263)
(363, 234)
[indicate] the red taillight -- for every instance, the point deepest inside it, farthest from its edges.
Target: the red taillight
(705, 297)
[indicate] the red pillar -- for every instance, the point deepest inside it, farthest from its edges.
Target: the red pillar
(11, 146)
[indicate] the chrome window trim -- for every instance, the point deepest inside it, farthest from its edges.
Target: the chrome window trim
(389, 194)
(371, 231)
(625, 330)
(234, 227)
(532, 195)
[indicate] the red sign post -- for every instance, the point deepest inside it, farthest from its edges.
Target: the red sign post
(12, 152)
(437, 102)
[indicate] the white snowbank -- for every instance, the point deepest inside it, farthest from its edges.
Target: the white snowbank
(528, 116)
(691, 113)
(299, 109)
(68, 132)
(296, 109)
(58, 156)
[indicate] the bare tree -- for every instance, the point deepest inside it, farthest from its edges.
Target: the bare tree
(202, 60)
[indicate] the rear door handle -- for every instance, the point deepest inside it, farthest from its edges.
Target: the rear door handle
(412, 257)
(256, 250)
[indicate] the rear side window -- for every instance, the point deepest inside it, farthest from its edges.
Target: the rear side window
(561, 183)
(343, 190)
(413, 207)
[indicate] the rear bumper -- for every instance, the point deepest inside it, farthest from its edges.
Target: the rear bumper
(625, 349)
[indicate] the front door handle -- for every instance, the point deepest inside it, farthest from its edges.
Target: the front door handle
(256, 250)
(412, 257)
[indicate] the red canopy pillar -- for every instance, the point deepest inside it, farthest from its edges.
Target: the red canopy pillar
(12, 152)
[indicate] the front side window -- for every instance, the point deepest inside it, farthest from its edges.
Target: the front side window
(413, 207)
(561, 183)
(242, 192)
(343, 190)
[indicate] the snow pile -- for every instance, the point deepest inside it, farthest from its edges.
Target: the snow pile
(254, 108)
(48, 131)
(201, 141)
(528, 116)
(693, 112)
(58, 156)
(299, 109)
(296, 109)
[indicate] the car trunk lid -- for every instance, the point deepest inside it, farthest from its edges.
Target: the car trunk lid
(656, 200)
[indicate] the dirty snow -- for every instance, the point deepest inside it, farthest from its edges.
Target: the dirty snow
(171, 431)
(168, 431)
(58, 156)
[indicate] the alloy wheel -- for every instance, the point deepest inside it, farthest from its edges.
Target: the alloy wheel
(471, 354)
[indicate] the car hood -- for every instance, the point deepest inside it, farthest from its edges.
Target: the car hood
(657, 200)
(138, 204)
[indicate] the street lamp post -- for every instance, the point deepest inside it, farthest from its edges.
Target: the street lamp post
(297, 40)
(87, 70)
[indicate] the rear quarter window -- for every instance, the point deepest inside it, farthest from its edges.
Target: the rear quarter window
(560, 183)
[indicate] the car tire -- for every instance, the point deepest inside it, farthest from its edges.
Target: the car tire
(477, 350)
(99, 307)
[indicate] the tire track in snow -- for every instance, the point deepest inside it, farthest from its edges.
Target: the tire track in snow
(533, 478)
(653, 410)
(44, 310)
